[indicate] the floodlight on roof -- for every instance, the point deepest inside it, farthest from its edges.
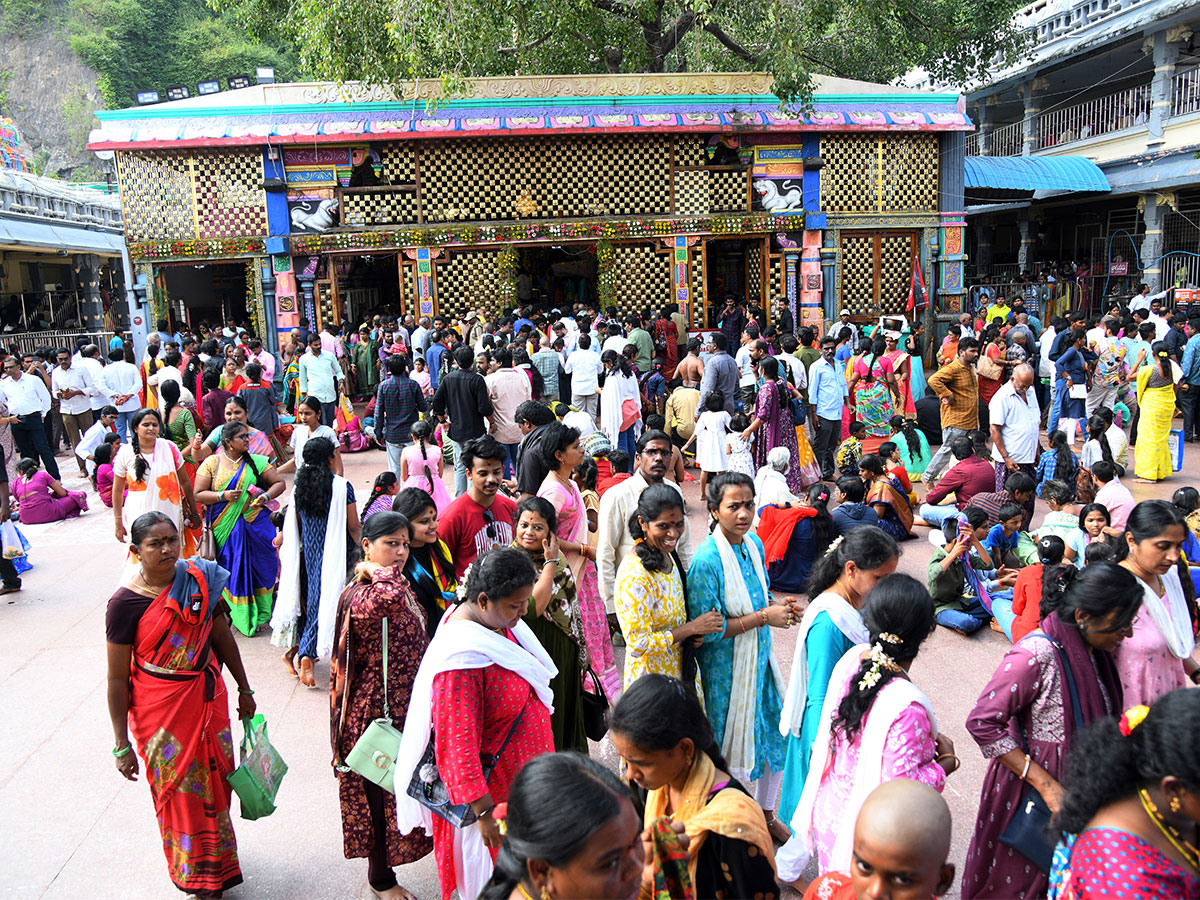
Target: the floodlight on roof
(265, 75)
(208, 87)
(237, 82)
(178, 92)
(145, 98)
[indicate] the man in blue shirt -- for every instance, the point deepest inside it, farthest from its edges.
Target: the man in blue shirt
(826, 394)
(720, 373)
(433, 358)
(1189, 384)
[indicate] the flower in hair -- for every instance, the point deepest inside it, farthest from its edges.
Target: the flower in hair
(1132, 718)
(837, 542)
(879, 661)
(888, 638)
(639, 541)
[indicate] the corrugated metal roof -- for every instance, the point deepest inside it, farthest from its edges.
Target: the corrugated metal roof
(1035, 173)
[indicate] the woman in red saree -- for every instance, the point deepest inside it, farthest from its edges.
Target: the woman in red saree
(168, 636)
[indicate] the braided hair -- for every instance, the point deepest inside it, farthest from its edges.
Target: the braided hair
(421, 432)
(1050, 550)
(899, 616)
(653, 502)
(141, 465)
(1064, 459)
(384, 482)
(908, 429)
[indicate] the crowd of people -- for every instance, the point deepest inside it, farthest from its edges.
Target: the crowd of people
(551, 593)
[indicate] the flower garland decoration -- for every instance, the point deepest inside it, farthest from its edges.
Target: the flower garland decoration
(606, 274)
(506, 270)
(196, 248)
(879, 661)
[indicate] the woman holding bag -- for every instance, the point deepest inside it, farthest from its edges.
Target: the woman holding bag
(378, 594)
(483, 687)
(168, 639)
(1025, 719)
(229, 485)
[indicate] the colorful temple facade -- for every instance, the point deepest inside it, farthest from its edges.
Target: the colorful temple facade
(332, 201)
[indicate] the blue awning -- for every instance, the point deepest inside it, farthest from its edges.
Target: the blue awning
(1026, 174)
(59, 236)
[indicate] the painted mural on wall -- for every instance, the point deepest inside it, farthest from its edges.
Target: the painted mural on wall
(778, 178)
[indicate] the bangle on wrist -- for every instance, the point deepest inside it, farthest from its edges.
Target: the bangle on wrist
(486, 813)
(118, 752)
(247, 691)
(1028, 763)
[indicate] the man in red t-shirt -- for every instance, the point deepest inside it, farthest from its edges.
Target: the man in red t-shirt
(479, 519)
(969, 476)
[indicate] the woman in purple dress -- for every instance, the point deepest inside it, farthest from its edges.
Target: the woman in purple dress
(1024, 721)
(43, 499)
(772, 425)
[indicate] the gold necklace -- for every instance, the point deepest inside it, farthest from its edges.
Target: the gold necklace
(141, 575)
(1186, 850)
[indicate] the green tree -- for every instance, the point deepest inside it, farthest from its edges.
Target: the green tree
(139, 45)
(386, 41)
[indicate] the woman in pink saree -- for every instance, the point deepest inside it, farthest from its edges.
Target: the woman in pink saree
(562, 453)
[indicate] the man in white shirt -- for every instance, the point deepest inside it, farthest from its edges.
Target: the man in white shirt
(94, 436)
(1161, 325)
(74, 388)
(1015, 420)
(121, 382)
(170, 372)
(615, 341)
(583, 365)
(420, 337)
(1144, 298)
(321, 377)
(752, 349)
(89, 358)
(28, 403)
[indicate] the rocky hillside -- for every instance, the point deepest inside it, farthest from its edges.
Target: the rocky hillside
(50, 95)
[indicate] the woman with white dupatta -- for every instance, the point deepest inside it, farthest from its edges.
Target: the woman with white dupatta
(483, 688)
(320, 526)
(832, 624)
(876, 726)
(742, 684)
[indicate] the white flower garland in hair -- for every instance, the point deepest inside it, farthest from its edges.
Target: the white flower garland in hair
(879, 661)
(837, 542)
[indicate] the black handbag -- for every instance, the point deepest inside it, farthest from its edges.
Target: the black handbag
(428, 789)
(595, 710)
(1029, 831)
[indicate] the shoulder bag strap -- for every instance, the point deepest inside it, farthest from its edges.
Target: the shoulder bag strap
(1069, 675)
(339, 761)
(512, 728)
(386, 711)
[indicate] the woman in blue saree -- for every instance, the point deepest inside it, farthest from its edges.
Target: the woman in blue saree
(238, 487)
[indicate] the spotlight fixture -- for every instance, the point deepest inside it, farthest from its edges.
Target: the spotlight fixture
(208, 87)
(145, 98)
(265, 75)
(237, 82)
(178, 92)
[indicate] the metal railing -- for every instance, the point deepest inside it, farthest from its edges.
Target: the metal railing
(1113, 112)
(1185, 93)
(29, 341)
(1004, 141)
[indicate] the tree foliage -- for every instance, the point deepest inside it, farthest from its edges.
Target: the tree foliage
(387, 41)
(139, 45)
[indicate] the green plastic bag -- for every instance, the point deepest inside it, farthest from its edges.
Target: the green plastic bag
(1026, 550)
(256, 780)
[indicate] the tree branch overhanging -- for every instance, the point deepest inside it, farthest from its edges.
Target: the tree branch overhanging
(729, 43)
(526, 47)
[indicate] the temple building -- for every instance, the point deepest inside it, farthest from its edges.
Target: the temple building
(332, 202)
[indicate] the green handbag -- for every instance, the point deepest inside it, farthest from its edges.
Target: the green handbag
(374, 753)
(256, 780)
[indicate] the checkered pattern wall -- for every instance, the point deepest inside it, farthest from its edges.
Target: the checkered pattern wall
(156, 195)
(643, 277)
(689, 150)
(617, 175)
(399, 164)
(230, 200)
(858, 274)
(775, 279)
(754, 270)
(895, 271)
(698, 292)
(879, 173)
(380, 207)
(467, 280)
(699, 192)
(408, 287)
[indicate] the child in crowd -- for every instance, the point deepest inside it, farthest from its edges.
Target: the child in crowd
(1060, 521)
(1058, 463)
(655, 386)
(1004, 536)
(421, 465)
(585, 475)
(1096, 525)
(741, 459)
(851, 511)
(102, 475)
(1186, 500)
(889, 452)
(420, 374)
(1115, 496)
(1031, 581)
(618, 463)
(848, 451)
(386, 486)
(960, 569)
(912, 443)
(711, 427)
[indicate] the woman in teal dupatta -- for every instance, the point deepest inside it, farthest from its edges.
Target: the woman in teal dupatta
(238, 487)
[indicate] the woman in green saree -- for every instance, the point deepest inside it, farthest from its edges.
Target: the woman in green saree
(366, 363)
(238, 487)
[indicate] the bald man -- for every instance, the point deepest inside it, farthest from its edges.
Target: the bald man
(1015, 420)
(901, 841)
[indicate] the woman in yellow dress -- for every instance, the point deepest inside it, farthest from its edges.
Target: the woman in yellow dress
(649, 592)
(1156, 394)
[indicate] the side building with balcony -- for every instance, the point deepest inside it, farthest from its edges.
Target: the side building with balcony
(276, 202)
(1086, 164)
